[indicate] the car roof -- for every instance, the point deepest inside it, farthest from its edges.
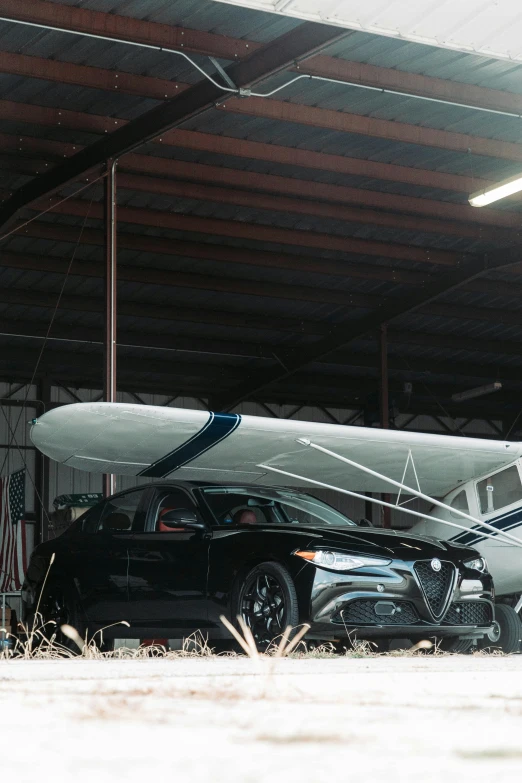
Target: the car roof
(203, 484)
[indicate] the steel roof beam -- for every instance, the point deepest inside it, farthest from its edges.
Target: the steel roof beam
(150, 275)
(344, 122)
(178, 178)
(168, 183)
(257, 232)
(243, 148)
(83, 20)
(414, 84)
(225, 253)
(89, 76)
(92, 304)
(181, 279)
(299, 43)
(277, 323)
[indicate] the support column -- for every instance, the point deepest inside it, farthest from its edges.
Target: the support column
(385, 406)
(109, 380)
(41, 470)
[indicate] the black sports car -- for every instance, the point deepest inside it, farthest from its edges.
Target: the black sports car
(170, 558)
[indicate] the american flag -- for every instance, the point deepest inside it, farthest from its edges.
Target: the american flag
(13, 538)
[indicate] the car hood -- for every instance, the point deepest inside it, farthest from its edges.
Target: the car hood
(388, 543)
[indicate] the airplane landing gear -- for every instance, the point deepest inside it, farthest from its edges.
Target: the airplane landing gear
(508, 632)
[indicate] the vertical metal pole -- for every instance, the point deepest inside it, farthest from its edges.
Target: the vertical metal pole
(385, 406)
(41, 471)
(109, 380)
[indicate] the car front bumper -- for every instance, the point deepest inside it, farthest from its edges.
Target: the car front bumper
(395, 606)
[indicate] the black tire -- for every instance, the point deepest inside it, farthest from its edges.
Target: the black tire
(266, 599)
(60, 606)
(454, 645)
(510, 630)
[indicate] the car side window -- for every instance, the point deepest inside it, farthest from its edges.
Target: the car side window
(241, 508)
(120, 513)
(460, 503)
(168, 500)
(500, 490)
(91, 518)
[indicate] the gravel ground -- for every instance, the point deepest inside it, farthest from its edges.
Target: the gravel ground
(419, 718)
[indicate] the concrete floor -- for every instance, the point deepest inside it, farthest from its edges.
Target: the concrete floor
(420, 718)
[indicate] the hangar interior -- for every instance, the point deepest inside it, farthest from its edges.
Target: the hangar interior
(293, 242)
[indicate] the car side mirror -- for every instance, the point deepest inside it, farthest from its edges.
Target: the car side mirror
(365, 523)
(183, 517)
(117, 521)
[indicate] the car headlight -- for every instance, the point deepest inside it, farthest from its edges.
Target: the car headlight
(339, 562)
(477, 564)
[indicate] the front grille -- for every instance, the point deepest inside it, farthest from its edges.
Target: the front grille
(435, 584)
(469, 613)
(362, 612)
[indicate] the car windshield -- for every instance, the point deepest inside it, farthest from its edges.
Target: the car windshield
(245, 506)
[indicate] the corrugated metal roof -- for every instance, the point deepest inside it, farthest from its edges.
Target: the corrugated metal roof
(308, 315)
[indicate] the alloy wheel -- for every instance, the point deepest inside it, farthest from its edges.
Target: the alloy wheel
(263, 608)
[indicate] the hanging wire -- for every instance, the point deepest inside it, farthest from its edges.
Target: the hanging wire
(53, 206)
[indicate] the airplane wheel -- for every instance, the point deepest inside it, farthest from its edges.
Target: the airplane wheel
(510, 630)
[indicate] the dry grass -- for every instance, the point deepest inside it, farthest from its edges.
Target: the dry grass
(41, 642)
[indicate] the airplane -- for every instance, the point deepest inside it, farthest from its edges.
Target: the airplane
(479, 480)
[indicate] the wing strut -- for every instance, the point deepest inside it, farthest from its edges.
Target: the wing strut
(513, 542)
(408, 460)
(409, 490)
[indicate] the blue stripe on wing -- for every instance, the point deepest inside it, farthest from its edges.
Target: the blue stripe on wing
(218, 427)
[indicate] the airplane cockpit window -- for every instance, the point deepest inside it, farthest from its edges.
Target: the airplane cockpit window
(460, 503)
(500, 490)
(242, 506)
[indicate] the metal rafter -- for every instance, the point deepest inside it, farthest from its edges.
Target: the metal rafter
(231, 255)
(243, 148)
(220, 185)
(299, 43)
(244, 287)
(344, 122)
(256, 232)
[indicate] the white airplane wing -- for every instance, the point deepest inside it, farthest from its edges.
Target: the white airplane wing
(158, 442)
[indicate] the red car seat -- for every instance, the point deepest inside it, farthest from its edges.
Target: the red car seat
(160, 527)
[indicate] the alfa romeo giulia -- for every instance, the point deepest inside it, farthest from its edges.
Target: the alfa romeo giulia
(171, 558)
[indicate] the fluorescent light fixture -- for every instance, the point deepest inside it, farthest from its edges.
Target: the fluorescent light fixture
(479, 391)
(495, 192)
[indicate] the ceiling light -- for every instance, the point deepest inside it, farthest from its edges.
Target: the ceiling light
(495, 192)
(479, 391)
